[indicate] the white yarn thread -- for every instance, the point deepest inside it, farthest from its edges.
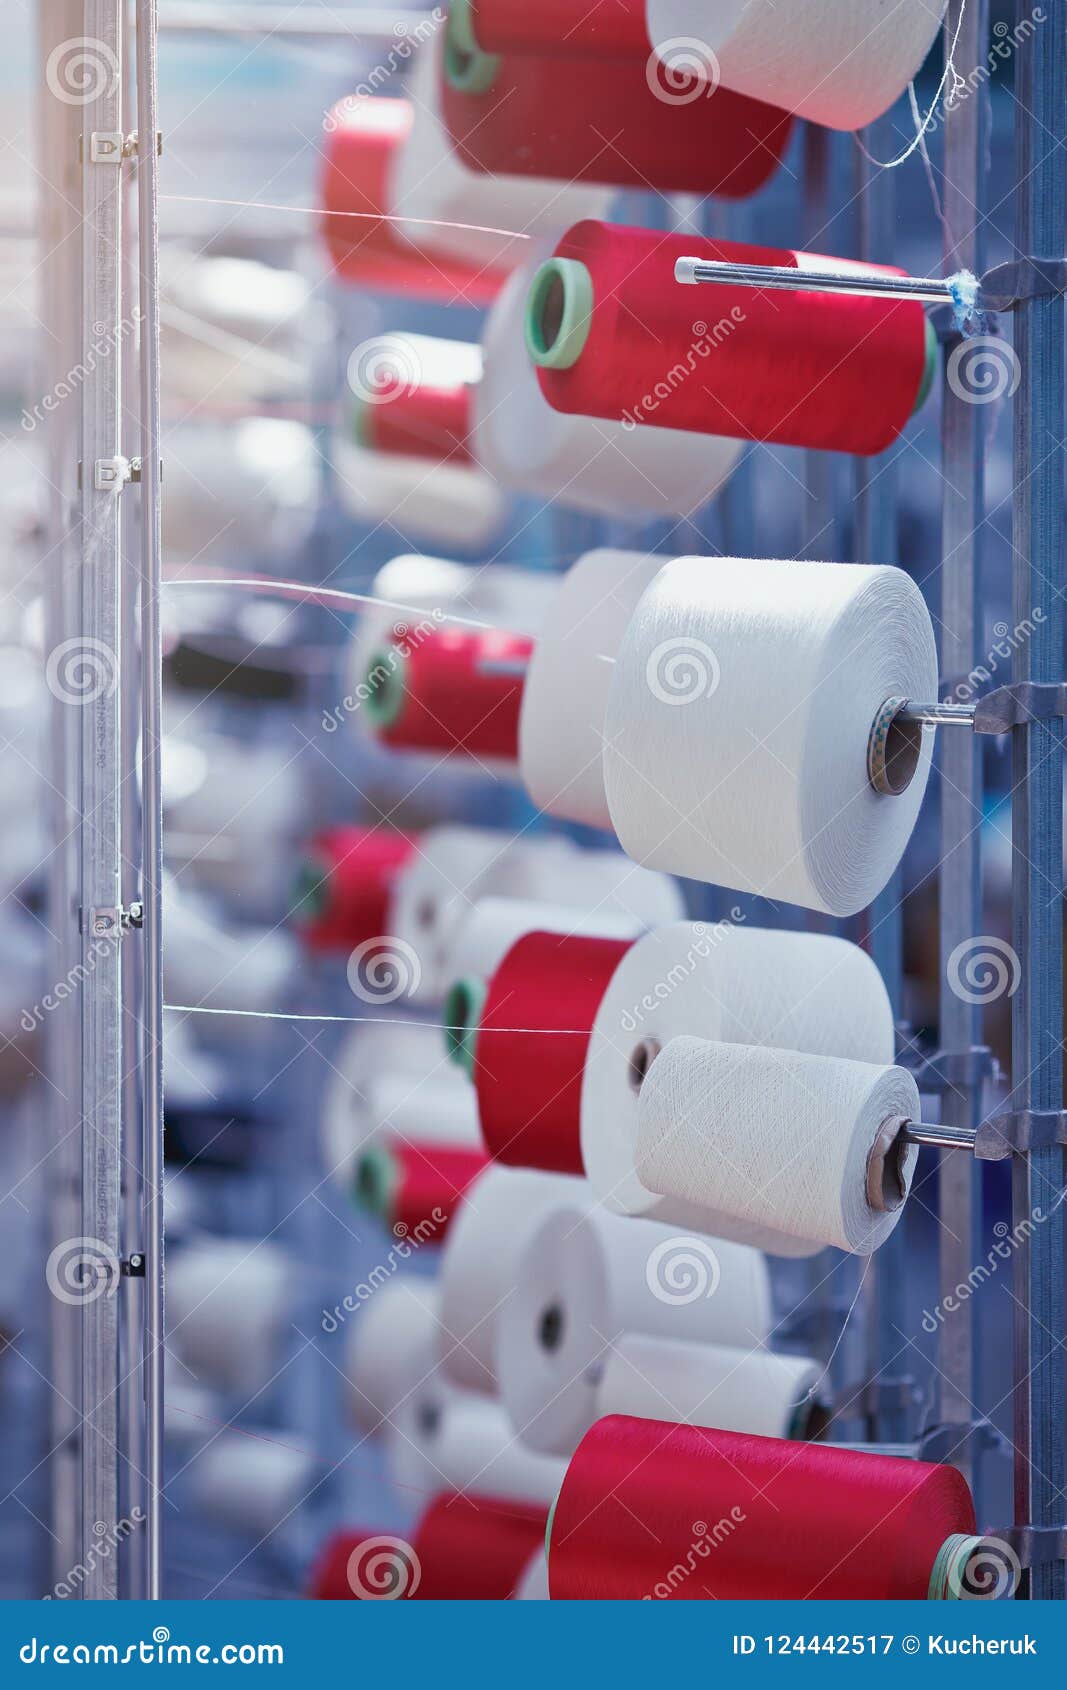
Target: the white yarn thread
(479, 1265)
(453, 504)
(228, 1302)
(738, 724)
(568, 683)
(764, 1138)
(392, 1348)
(251, 1487)
(735, 1390)
(583, 1283)
(807, 991)
(441, 1439)
(838, 64)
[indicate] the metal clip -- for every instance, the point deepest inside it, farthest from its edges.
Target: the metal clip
(111, 474)
(109, 921)
(107, 146)
(134, 1266)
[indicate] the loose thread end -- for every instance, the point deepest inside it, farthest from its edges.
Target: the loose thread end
(965, 311)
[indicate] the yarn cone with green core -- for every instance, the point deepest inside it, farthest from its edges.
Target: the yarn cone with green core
(468, 69)
(376, 1181)
(559, 313)
(930, 365)
(462, 1015)
(559, 310)
(385, 685)
(309, 899)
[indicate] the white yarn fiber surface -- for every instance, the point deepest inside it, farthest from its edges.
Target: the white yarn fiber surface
(841, 63)
(392, 1347)
(568, 683)
(736, 1390)
(485, 1243)
(747, 985)
(584, 1282)
(443, 1439)
(771, 1138)
(739, 719)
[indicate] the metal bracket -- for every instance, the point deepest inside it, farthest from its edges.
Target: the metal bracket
(952, 1441)
(947, 1069)
(134, 1266)
(109, 921)
(107, 146)
(1008, 285)
(1023, 701)
(1013, 1133)
(131, 146)
(1036, 1546)
(111, 474)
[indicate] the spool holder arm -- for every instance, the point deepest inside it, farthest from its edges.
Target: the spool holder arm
(1012, 1133)
(1000, 289)
(896, 732)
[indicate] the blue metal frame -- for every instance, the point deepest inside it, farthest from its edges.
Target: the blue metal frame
(1037, 780)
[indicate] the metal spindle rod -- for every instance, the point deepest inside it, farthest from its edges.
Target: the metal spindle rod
(100, 844)
(939, 715)
(327, 24)
(1040, 103)
(151, 781)
(938, 1135)
(783, 277)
